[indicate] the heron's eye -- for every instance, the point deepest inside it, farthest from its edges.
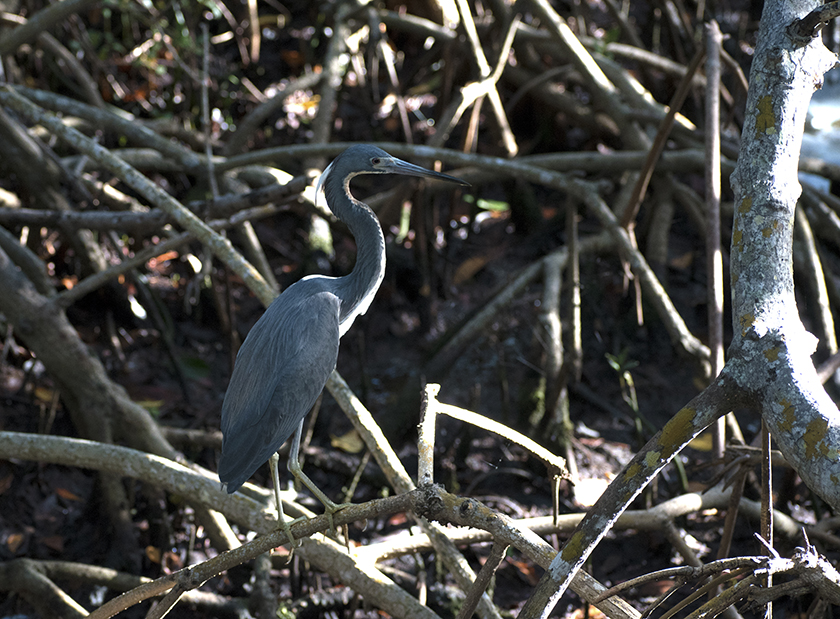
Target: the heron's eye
(376, 161)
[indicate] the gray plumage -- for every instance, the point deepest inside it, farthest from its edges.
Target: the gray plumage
(285, 361)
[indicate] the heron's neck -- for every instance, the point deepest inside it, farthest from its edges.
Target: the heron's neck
(360, 286)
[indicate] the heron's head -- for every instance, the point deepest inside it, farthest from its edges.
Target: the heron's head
(366, 159)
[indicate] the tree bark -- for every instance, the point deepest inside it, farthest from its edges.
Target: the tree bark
(770, 355)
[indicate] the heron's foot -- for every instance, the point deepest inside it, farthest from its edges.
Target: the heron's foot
(331, 508)
(286, 525)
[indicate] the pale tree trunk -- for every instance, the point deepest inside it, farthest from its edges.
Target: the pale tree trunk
(770, 355)
(769, 370)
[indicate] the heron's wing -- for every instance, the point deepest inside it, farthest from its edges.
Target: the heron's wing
(280, 371)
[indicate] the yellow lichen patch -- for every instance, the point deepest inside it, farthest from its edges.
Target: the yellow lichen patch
(772, 354)
(737, 237)
(572, 550)
(770, 229)
(765, 121)
(746, 321)
(788, 415)
(677, 432)
(745, 206)
(814, 438)
(652, 459)
(634, 469)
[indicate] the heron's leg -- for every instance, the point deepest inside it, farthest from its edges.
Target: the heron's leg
(281, 517)
(294, 468)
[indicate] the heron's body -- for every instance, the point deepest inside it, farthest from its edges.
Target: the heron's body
(252, 425)
(286, 359)
(297, 337)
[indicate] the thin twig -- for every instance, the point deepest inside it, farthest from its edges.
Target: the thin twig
(482, 581)
(632, 207)
(804, 30)
(399, 479)
(40, 22)
(205, 110)
(714, 255)
(426, 436)
(97, 280)
(556, 464)
(157, 196)
(767, 504)
(686, 573)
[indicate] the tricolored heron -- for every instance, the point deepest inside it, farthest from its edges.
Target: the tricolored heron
(285, 361)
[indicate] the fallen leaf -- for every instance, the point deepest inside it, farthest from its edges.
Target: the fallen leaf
(682, 262)
(43, 394)
(656, 588)
(14, 541)
(526, 568)
(64, 493)
(468, 268)
(6, 482)
(170, 562)
(153, 554)
(587, 612)
(349, 443)
(397, 520)
(702, 443)
(54, 542)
